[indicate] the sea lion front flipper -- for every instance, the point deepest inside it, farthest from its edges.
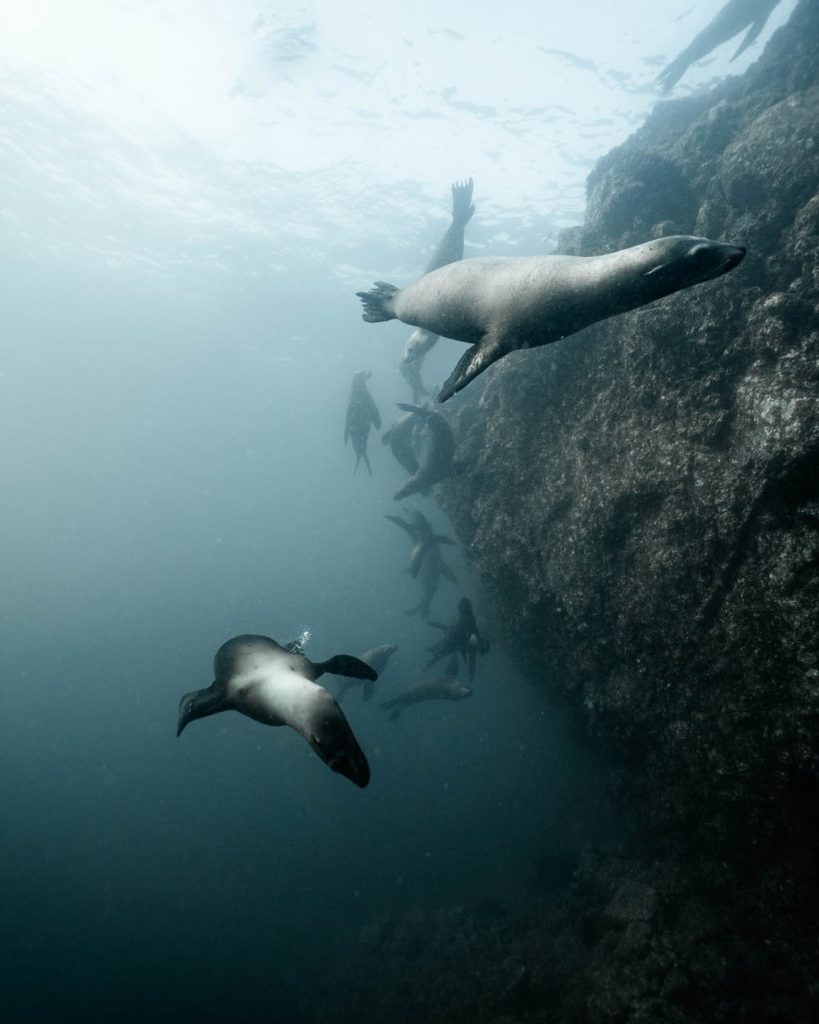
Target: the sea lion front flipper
(474, 361)
(346, 665)
(400, 522)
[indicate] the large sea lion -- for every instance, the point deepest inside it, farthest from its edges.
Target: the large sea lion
(446, 687)
(503, 303)
(449, 250)
(731, 20)
(362, 413)
(265, 681)
(376, 658)
(461, 636)
(437, 460)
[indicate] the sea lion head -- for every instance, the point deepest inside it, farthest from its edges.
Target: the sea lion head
(679, 261)
(328, 732)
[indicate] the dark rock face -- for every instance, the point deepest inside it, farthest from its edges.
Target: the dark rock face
(641, 511)
(642, 501)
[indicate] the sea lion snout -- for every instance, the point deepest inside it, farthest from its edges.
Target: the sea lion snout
(734, 257)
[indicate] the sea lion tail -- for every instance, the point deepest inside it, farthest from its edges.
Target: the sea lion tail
(346, 665)
(377, 302)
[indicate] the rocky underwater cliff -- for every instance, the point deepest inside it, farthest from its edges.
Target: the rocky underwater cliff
(640, 510)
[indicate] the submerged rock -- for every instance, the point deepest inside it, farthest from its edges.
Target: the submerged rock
(642, 504)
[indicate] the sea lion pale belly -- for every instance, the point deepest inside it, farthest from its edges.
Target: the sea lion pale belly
(500, 304)
(275, 686)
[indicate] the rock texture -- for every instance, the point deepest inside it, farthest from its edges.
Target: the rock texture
(642, 500)
(641, 509)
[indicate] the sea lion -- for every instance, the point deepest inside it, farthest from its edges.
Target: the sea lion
(376, 658)
(263, 680)
(502, 303)
(422, 535)
(401, 438)
(449, 250)
(437, 459)
(433, 568)
(362, 413)
(446, 687)
(461, 636)
(731, 20)
(410, 370)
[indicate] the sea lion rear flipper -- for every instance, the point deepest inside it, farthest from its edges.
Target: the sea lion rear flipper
(753, 32)
(346, 665)
(462, 208)
(474, 361)
(377, 302)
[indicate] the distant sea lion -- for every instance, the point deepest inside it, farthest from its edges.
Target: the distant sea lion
(423, 537)
(437, 459)
(731, 20)
(401, 439)
(376, 658)
(426, 561)
(449, 250)
(362, 413)
(433, 568)
(263, 680)
(503, 303)
(446, 687)
(461, 636)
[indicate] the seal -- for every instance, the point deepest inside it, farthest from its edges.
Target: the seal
(446, 687)
(263, 680)
(376, 658)
(449, 250)
(461, 636)
(500, 304)
(362, 413)
(730, 21)
(438, 455)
